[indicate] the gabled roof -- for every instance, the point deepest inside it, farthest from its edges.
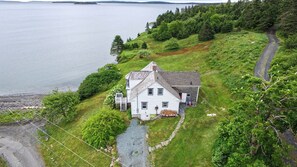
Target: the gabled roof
(152, 66)
(153, 77)
(137, 75)
(176, 79)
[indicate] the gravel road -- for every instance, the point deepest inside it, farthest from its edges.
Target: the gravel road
(18, 147)
(132, 146)
(263, 65)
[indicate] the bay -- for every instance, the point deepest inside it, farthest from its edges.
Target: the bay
(44, 46)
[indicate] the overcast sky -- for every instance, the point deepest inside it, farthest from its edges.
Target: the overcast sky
(197, 1)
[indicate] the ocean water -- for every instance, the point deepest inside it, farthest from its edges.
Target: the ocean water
(44, 46)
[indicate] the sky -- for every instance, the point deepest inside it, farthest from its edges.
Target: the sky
(183, 1)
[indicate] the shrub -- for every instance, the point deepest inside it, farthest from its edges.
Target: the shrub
(172, 44)
(101, 129)
(109, 100)
(60, 106)
(106, 77)
(144, 54)
(291, 42)
(144, 45)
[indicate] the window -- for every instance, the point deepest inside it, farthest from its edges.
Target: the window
(160, 91)
(150, 91)
(144, 105)
(165, 104)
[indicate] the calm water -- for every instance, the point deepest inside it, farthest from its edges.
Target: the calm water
(44, 46)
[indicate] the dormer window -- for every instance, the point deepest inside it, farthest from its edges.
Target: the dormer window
(160, 91)
(150, 91)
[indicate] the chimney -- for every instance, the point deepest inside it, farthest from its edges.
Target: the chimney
(154, 68)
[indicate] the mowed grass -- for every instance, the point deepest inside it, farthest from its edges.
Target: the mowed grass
(160, 130)
(193, 144)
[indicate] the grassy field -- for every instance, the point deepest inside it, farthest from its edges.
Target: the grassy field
(159, 130)
(235, 53)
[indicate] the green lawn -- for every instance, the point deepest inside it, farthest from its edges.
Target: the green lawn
(160, 130)
(227, 57)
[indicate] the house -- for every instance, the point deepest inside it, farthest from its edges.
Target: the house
(152, 91)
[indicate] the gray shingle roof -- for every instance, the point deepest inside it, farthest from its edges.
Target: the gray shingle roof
(137, 75)
(176, 79)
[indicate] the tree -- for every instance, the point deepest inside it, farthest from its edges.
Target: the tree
(94, 83)
(144, 45)
(117, 45)
(172, 44)
(163, 33)
(102, 129)
(252, 133)
(291, 42)
(227, 27)
(147, 27)
(60, 106)
(206, 33)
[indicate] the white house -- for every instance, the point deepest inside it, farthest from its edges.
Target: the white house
(152, 90)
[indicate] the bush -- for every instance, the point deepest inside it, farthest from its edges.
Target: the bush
(60, 106)
(144, 45)
(144, 54)
(106, 77)
(172, 44)
(109, 100)
(101, 129)
(291, 42)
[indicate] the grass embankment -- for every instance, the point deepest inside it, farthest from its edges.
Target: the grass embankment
(86, 109)
(193, 143)
(2, 162)
(7, 117)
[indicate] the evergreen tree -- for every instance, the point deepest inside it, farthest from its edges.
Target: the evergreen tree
(117, 45)
(206, 33)
(147, 27)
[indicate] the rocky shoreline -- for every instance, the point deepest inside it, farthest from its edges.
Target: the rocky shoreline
(21, 101)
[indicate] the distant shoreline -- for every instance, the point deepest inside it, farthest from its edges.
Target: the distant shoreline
(118, 2)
